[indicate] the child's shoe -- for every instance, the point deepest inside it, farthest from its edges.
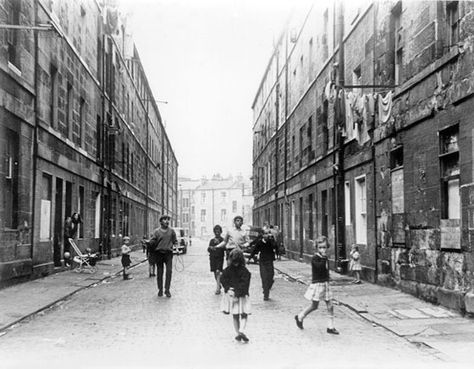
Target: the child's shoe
(299, 323)
(243, 337)
(332, 331)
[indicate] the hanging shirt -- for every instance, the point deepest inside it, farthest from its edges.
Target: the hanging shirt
(385, 107)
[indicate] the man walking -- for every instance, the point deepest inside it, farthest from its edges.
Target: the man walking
(163, 240)
(267, 248)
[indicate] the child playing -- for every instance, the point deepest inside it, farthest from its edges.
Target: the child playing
(216, 256)
(150, 254)
(236, 281)
(319, 287)
(354, 265)
(126, 257)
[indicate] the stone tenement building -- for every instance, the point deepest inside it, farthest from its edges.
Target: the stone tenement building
(363, 132)
(79, 132)
(207, 202)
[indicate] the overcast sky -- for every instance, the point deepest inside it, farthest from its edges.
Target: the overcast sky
(207, 58)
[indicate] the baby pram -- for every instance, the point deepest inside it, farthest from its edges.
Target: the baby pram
(86, 261)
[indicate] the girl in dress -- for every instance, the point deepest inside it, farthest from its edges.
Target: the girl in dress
(354, 265)
(236, 282)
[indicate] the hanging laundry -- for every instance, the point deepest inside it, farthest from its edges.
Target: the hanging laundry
(358, 109)
(340, 107)
(369, 111)
(349, 100)
(329, 92)
(385, 107)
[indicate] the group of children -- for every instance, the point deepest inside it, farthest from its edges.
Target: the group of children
(235, 279)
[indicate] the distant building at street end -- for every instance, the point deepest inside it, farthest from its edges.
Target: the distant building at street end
(363, 132)
(206, 202)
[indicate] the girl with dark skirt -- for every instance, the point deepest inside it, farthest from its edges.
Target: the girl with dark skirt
(216, 257)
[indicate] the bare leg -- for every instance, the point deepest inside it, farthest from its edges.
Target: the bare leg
(236, 321)
(314, 306)
(243, 322)
(330, 307)
(217, 275)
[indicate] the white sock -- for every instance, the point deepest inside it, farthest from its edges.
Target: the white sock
(331, 322)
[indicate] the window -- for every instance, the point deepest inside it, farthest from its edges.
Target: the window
(450, 171)
(78, 124)
(45, 219)
(203, 231)
(293, 221)
(185, 218)
(10, 163)
(223, 196)
(192, 210)
(69, 107)
(203, 197)
(347, 203)
(324, 213)
(54, 97)
(185, 202)
(234, 206)
(310, 138)
(203, 215)
(397, 180)
(96, 199)
(98, 137)
(13, 12)
(361, 210)
(324, 40)
(452, 19)
(302, 152)
(223, 215)
(80, 210)
(397, 39)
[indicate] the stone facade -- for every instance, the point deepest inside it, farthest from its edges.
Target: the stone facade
(398, 185)
(83, 133)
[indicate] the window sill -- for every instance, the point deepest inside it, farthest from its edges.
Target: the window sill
(14, 69)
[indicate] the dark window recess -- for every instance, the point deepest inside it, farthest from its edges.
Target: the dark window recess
(396, 158)
(10, 179)
(452, 19)
(324, 213)
(13, 36)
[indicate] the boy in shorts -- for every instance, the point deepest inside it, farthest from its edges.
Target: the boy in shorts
(319, 287)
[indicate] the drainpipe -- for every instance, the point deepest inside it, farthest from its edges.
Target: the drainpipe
(285, 173)
(35, 135)
(374, 7)
(339, 162)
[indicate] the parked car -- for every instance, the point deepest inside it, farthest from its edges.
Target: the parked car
(254, 233)
(183, 241)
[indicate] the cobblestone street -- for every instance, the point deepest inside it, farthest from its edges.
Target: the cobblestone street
(124, 324)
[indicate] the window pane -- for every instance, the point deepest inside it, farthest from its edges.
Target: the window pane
(453, 199)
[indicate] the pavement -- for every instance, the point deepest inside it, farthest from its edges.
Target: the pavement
(442, 332)
(22, 301)
(445, 333)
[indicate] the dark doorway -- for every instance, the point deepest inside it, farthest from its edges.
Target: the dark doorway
(68, 209)
(58, 222)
